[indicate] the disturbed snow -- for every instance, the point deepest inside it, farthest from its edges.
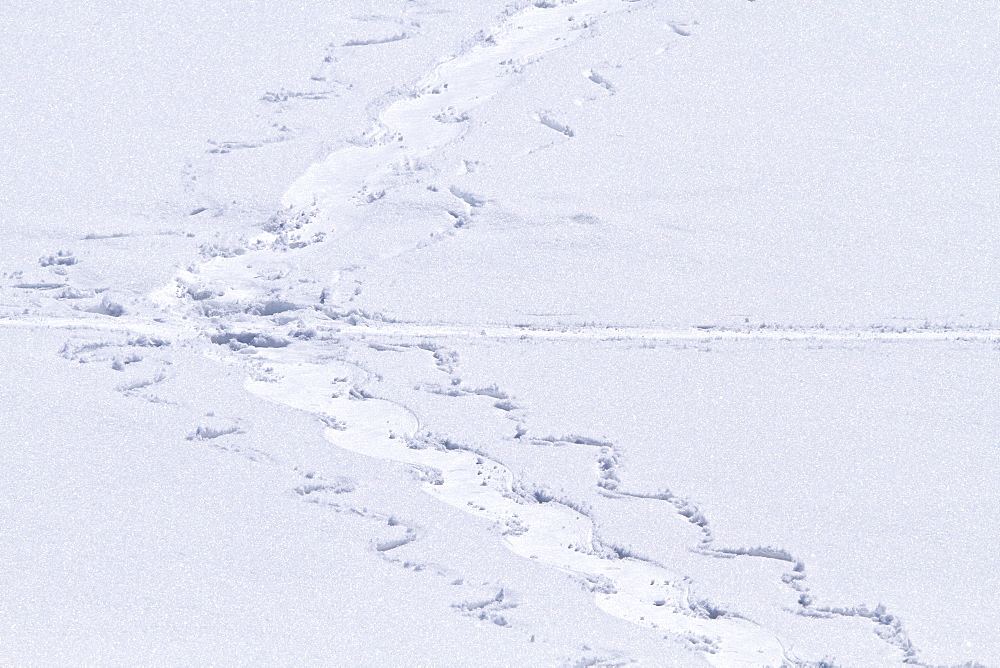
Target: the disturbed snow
(523, 322)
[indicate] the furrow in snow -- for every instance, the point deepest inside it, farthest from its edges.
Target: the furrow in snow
(370, 328)
(611, 333)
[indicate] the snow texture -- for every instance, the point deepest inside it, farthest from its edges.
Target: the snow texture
(570, 332)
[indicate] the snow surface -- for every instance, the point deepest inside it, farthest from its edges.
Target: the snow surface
(555, 332)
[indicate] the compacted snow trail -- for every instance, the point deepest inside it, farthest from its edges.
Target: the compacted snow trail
(638, 591)
(434, 115)
(323, 202)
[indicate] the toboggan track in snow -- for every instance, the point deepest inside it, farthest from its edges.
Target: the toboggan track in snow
(552, 533)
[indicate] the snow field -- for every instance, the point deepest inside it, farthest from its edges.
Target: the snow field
(597, 332)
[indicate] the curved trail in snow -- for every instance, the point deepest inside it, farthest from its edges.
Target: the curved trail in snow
(434, 115)
(638, 591)
(323, 201)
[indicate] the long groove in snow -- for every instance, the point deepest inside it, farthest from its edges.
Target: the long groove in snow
(607, 333)
(638, 591)
(611, 333)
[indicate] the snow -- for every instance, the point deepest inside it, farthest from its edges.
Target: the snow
(548, 333)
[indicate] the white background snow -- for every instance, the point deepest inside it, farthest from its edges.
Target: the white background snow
(500, 333)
